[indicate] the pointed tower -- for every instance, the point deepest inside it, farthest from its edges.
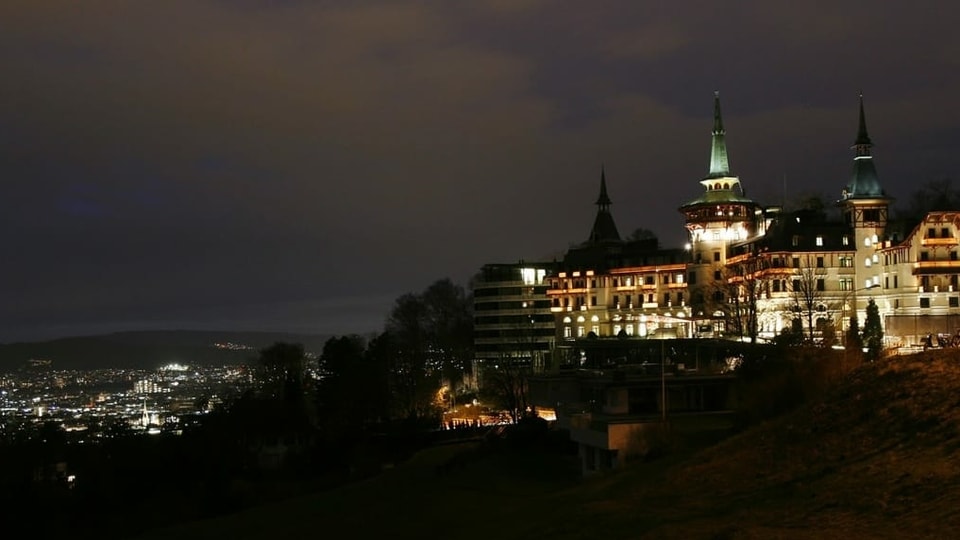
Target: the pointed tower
(865, 206)
(864, 184)
(720, 217)
(719, 165)
(604, 229)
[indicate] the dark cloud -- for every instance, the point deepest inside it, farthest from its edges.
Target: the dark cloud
(209, 163)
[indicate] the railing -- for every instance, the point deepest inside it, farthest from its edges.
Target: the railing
(937, 264)
(948, 241)
(935, 288)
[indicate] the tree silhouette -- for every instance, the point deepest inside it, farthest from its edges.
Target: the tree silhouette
(349, 395)
(854, 341)
(282, 371)
(873, 331)
(506, 387)
(414, 376)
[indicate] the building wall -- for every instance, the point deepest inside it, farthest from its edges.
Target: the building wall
(512, 317)
(643, 301)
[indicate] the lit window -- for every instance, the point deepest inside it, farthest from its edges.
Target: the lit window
(866, 242)
(874, 239)
(846, 240)
(867, 262)
(567, 332)
(820, 241)
(579, 331)
(876, 258)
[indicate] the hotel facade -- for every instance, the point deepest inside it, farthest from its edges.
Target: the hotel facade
(750, 271)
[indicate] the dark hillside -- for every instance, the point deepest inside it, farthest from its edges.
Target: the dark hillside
(877, 457)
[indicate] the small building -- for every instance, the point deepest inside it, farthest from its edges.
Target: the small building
(617, 407)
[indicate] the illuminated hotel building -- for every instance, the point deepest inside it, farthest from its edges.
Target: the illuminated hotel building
(610, 288)
(748, 267)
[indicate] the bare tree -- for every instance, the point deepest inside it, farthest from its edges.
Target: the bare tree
(808, 293)
(741, 285)
(506, 386)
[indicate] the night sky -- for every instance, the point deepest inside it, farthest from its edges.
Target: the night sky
(296, 166)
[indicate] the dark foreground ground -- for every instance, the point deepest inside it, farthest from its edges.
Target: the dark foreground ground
(878, 457)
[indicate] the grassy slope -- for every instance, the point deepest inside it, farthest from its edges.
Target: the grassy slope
(876, 458)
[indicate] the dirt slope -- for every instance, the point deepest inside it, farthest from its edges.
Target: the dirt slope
(877, 457)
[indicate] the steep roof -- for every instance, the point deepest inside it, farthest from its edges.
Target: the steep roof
(864, 183)
(719, 185)
(719, 164)
(604, 229)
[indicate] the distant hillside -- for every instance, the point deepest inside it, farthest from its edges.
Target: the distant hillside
(148, 350)
(879, 457)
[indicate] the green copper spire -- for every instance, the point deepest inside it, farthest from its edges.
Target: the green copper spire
(719, 166)
(864, 183)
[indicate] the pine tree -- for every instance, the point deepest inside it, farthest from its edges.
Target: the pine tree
(854, 341)
(873, 331)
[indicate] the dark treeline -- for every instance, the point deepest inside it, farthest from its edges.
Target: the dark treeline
(298, 426)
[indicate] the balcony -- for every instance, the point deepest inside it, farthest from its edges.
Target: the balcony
(948, 241)
(936, 267)
(935, 288)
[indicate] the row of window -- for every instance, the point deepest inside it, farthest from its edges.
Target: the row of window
(579, 301)
(521, 333)
(624, 281)
(640, 329)
(507, 291)
(944, 233)
(953, 301)
(527, 304)
(513, 319)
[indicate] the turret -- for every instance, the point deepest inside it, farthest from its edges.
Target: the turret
(721, 216)
(604, 229)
